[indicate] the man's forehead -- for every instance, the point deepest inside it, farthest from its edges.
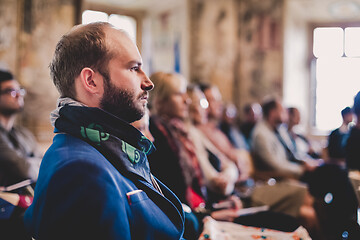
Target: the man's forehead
(119, 42)
(122, 47)
(9, 83)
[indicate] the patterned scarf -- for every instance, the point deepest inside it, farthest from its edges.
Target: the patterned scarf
(111, 136)
(196, 192)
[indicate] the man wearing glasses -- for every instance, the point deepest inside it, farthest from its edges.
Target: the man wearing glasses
(19, 159)
(19, 155)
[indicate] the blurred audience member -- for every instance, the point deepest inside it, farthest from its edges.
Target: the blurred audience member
(220, 173)
(19, 159)
(338, 137)
(175, 162)
(297, 145)
(252, 114)
(272, 160)
(352, 145)
(240, 157)
(19, 153)
(228, 126)
(268, 150)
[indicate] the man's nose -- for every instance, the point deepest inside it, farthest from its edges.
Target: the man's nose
(147, 84)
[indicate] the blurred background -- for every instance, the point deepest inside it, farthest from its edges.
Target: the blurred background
(305, 51)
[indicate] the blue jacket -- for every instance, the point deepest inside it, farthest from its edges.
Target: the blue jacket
(80, 195)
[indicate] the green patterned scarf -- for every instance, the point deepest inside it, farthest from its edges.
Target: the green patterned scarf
(121, 144)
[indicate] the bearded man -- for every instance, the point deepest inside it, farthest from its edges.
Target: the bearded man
(95, 181)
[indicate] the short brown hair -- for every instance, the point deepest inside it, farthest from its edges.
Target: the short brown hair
(84, 46)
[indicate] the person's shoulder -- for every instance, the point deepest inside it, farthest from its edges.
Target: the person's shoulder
(260, 128)
(334, 132)
(67, 149)
(71, 157)
(70, 143)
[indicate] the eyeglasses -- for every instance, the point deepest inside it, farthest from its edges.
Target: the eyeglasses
(14, 92)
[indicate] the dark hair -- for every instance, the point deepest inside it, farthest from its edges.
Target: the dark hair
(5, 76)
(84, 46)
(356, 107)
(346, 111)
(291, 110)
(247, 108)
(269, 105)
(204, 86)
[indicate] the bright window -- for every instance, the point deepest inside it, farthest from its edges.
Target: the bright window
(337, 55)
(120, 21)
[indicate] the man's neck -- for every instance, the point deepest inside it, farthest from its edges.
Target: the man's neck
(7, 121)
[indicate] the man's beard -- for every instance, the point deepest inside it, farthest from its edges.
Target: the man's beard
(8, 112)
(120, 103)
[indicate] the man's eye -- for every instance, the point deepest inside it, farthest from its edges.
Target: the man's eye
(135, 68)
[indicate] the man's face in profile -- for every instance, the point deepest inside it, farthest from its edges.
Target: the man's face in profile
(126, 86)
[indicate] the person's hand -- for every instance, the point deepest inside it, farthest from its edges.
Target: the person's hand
(237, 203)
(310, 165)
(233, 204)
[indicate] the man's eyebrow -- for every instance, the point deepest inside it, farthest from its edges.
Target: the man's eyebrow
(135, 63)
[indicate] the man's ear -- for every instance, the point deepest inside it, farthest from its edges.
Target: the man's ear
(91, 80)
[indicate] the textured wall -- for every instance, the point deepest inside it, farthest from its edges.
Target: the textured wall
(237, 45)
(35, 27)
(259, 71)
(8, 33)
(213, 43)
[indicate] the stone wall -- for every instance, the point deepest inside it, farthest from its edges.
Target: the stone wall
(237, 45)
(34, 27)
(8, 34)
(213, 47)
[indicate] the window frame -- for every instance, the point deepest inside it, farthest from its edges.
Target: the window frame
(312, 70)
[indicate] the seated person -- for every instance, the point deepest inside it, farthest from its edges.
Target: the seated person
(220, 173)
(338, 137)
(19, 156)
(267, 149)
(228, 126)
(352, 148)
(241, 157)
(271, 160)
(174, 162)
(252, 114)
(297, 145)
(19, 153)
